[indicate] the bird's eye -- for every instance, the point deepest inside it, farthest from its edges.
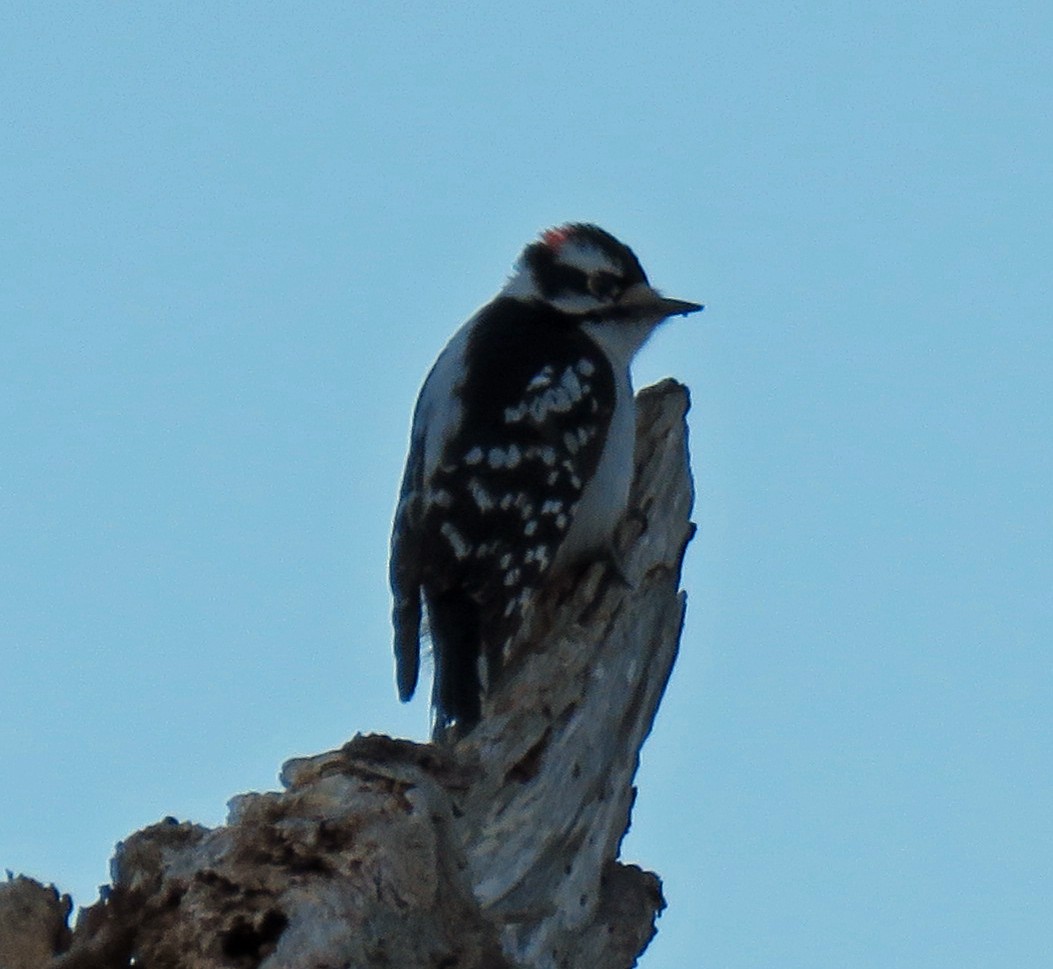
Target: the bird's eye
(605, 286)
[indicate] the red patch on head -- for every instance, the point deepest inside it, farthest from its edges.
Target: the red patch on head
(554, 238)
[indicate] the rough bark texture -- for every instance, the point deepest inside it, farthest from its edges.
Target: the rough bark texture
(499, 851)
(32, 923)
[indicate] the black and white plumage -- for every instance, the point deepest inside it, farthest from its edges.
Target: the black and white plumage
(521, 457)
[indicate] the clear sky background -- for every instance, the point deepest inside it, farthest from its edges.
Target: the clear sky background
(234, 236)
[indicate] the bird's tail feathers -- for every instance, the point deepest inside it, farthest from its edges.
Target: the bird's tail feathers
(454, 622)
(407, 616)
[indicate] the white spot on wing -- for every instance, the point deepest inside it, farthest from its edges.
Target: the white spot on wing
(456, 539)
(541, 379)
(482, 497)
(543, 398)
(571, 384)
(441, 497)
(508, 457)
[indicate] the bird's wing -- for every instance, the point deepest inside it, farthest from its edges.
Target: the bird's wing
(513, 487)
(435, 418)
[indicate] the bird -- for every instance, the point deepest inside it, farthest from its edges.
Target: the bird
(520, 459)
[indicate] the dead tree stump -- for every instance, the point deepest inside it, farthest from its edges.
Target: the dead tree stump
(498, 851)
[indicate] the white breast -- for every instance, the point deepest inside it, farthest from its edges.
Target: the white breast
(606, 496)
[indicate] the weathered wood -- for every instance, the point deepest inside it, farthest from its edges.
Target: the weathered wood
(32, 923)
(498, 851)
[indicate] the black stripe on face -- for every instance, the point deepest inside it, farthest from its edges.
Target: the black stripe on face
(555, 278)
(617, 252)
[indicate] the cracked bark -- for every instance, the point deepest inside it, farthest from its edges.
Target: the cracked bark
(498, 852)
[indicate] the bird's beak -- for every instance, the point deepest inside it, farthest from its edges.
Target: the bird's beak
(677, 307)
(649, 302)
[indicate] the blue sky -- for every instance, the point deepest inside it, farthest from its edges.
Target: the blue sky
(235, 236)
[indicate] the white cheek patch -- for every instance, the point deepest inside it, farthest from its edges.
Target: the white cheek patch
(575, 302)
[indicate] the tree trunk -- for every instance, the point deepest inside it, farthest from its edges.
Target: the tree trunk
(498, 851)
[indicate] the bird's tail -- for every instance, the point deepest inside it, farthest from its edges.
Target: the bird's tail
(406, 617)
(454, 620)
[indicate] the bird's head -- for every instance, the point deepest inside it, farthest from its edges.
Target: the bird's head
(588, 275)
